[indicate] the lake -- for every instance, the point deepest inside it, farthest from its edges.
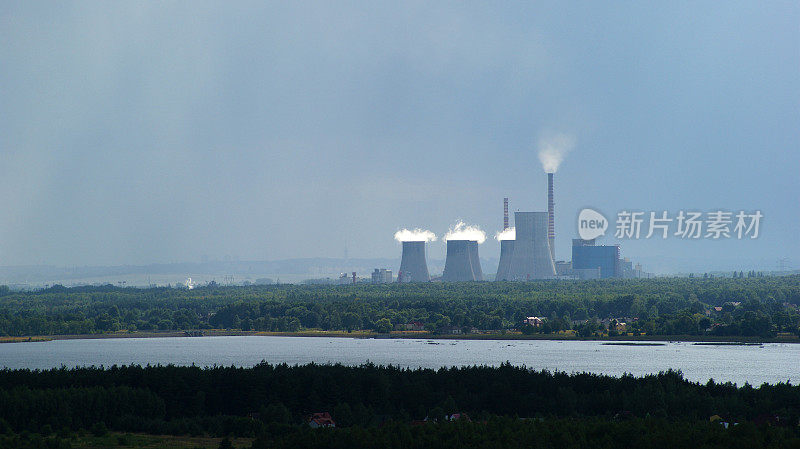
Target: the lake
(756, 364)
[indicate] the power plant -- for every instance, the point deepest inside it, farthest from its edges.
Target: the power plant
(505, 213)
(551, 230)
(413, 267)
(458, 265)
(506, 253)
(532, 258)
(527, 251)
(475, 260)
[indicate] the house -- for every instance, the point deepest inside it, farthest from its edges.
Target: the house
(458, 417)
(321, 420)
(719, 420)
(411, 326)
(534, 321)
(450, 330)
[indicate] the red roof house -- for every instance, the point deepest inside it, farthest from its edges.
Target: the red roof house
(321, 420)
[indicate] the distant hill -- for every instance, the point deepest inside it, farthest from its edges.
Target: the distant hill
(287, 270)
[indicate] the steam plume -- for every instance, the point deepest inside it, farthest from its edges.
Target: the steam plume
(552, 150)
(506, 234)
(415, 235)
(463, 232)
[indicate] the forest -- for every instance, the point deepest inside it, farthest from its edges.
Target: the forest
(751, 307)
(386, 406)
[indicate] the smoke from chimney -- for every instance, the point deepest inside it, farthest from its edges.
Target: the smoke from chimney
(461, 231)
(506, 234)
(552, 150)
(415, 235)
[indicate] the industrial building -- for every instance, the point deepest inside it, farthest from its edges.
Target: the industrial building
(381, 276)
(529, 255)
(532, 258)
(590, 261)
(551, 229)
(462, 262)
(413, 266)
(474, 260)
(504, 268)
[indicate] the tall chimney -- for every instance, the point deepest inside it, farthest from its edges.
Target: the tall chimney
(551, 230)
(505, 213)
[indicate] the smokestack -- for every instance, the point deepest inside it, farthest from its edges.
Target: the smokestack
(505, 213)
(504, 268)
(551, 230)
(413, 267)
(532, 259)
(458, 264)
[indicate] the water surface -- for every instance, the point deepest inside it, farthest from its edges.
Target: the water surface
(772, 362)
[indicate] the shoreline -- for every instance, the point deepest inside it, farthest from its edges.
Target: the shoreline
(697, 339)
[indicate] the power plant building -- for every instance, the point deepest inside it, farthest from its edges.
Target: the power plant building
(551, 230)
(413, 266)
(462, 263)
(381, 276)
(591, 261)
(475, 261)
(504, 268)
(532, 257)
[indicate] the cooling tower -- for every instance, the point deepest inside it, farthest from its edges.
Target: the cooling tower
(532, 258)
(458, 264)
(506, 253)
(475, 260)
(551, 230)
(413, 267)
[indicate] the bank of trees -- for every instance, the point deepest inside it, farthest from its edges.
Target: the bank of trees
(273, 402)
(761, 306)
(511, 433)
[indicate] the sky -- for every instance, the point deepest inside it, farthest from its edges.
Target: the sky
(152, 132)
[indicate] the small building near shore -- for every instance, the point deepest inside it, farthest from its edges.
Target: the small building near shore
(322, 419)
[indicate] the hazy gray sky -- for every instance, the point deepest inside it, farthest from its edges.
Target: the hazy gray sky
(138, 132)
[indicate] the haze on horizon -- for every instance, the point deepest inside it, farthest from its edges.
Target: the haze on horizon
(146, 132)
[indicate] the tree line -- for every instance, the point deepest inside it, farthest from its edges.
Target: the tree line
(762, 306)
(273, 402)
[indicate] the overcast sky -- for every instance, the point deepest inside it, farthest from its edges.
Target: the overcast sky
(140, 132)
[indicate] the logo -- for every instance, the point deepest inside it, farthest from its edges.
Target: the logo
(591, 224)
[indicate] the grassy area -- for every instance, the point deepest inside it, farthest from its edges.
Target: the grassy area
(23, 339)
(782, 337)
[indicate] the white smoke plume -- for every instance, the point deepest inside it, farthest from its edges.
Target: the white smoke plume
(415, 235)
(552, 150)
(506, 234)
(461, 231)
